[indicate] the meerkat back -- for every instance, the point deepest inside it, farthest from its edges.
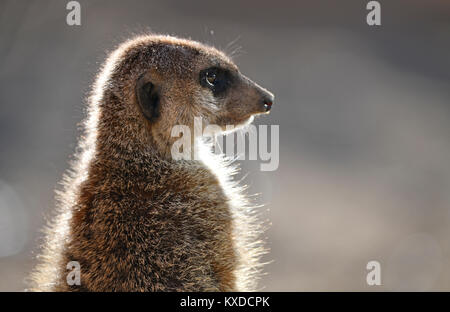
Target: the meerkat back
(130, 215)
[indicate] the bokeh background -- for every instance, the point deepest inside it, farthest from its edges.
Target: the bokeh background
(364, 115)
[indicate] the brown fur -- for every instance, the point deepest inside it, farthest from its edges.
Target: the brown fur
(133, 217)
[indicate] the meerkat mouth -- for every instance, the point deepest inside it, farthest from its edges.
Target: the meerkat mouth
(246, 121)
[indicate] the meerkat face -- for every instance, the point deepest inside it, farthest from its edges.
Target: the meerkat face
(233, 98)
(183, 79)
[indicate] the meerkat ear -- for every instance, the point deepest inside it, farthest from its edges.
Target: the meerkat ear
(148, 98)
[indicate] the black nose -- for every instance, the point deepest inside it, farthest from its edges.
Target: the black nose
(268, 101)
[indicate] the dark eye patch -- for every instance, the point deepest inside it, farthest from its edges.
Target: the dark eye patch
(217, 79)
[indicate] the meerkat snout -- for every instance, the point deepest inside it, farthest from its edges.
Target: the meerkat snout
(260, 96)
(267, 102)
(241, 97)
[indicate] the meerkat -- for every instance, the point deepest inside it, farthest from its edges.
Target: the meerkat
(133, 217)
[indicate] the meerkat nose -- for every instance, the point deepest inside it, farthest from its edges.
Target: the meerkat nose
(268, 103)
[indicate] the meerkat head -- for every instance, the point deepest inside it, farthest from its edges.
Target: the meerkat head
(165, 81)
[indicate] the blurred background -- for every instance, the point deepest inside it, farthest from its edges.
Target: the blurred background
(364, 115)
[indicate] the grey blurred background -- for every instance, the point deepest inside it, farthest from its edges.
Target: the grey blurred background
(364, 115)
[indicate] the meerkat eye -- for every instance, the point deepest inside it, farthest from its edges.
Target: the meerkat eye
(216, 79)
(211, 78)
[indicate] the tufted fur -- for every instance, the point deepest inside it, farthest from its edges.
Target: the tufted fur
(133, 217)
